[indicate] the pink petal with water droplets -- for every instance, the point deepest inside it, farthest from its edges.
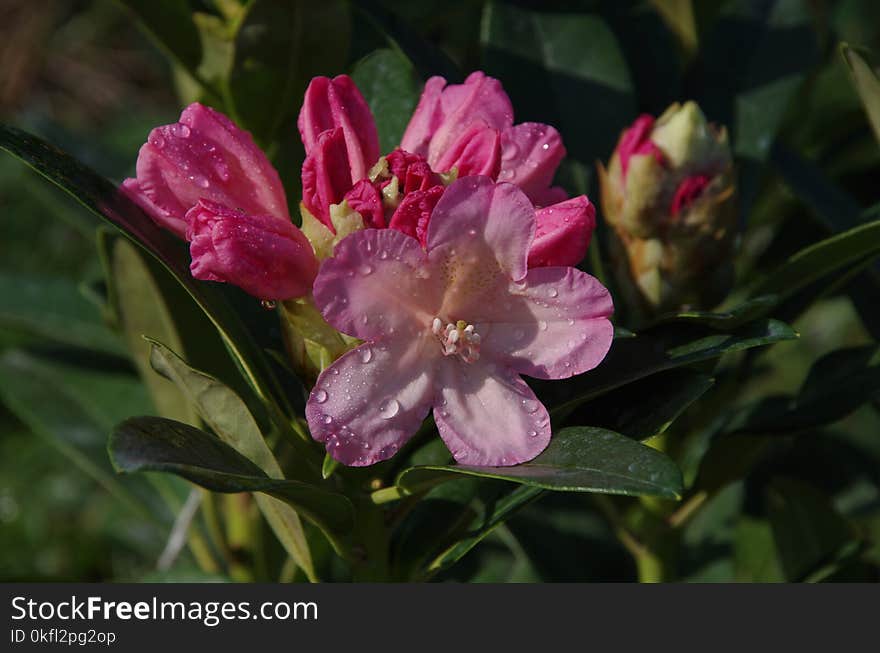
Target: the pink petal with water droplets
(480, 232)
(414, 213)
(331, 103)
(206, 155)
(477, 151)
(377, 286)
(159, 215)
(563, 233)
(530, 154)
(552, 325)
(487, 415)
(367, 404)
(267, 257)
(366, 199)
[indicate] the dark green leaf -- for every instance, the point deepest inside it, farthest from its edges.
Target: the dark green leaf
(54, 309)
(647, 407)
(721, 320)
(278, 48)
(631, 359)
(388, 83)
(808, 531)
(163, 445)
(822, 258)
(171, 25)
(427, 58)
(578, 459)
(482, 525)
(554, 66)
(866, 83)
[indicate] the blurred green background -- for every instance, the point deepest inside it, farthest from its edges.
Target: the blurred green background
(85, 77)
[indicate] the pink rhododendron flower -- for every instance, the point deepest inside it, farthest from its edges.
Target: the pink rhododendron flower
(205, 179)
(452, 327)
(463, 127)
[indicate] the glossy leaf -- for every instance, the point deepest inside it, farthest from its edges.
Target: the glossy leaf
(228, 416)
(54, 310)
(807, 530)
(554, 78)
(578, 459)
(163, 445)
(721, 320)
(822, 258)
(388, 81)
(631, 359)
(867, 85)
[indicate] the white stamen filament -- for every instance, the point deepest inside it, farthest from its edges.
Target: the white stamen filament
(457, 339)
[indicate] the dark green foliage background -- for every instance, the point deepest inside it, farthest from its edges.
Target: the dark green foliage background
(782, 442)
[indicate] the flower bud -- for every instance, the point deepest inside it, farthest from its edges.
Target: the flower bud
(669, 194)
(266, 256)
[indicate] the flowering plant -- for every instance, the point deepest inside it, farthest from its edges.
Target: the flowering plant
(363, 353)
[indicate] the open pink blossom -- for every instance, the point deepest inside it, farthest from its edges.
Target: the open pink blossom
(463, 127)
(452, 327)
(205, 167)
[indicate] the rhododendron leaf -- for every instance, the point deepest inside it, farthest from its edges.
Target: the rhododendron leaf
(578, 459)
(170, 23)
(163, 445)
(104, 199)
(427, 58)
(278, 48)
(819, 259)
(229, 418)
(837, 384)
(142, 309)
(72, 409)
(387, 80)
(56, 310)
(867, 84)
(809, 533)
(631, 359)
(582, 66)
(646, 408)
(482, 525)
(726, 319)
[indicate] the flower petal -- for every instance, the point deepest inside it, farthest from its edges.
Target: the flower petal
(414, 213)
(378, 285)
(426, 119)
(267, 257)
(364, 198)
(331, 103)
(551, 326)
(325, 176)
(477, 151)
(480, 98)
(563, 233)
(160, 216)
(480, 232)
(530, 154)
(368, 403)
(487, 415)
(206, 155)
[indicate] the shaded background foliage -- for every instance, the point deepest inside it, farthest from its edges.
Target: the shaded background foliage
(782, 450)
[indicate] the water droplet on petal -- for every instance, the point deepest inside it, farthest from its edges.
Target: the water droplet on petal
(519, 334)
(533, 434)
(366, 355)
(542, 325)
(157, 141)
(389, 409)
(366, 269)
(530, 406)
(184, 131)
(321, 396)
(327, 419)
(383, 255)
(553, 292)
